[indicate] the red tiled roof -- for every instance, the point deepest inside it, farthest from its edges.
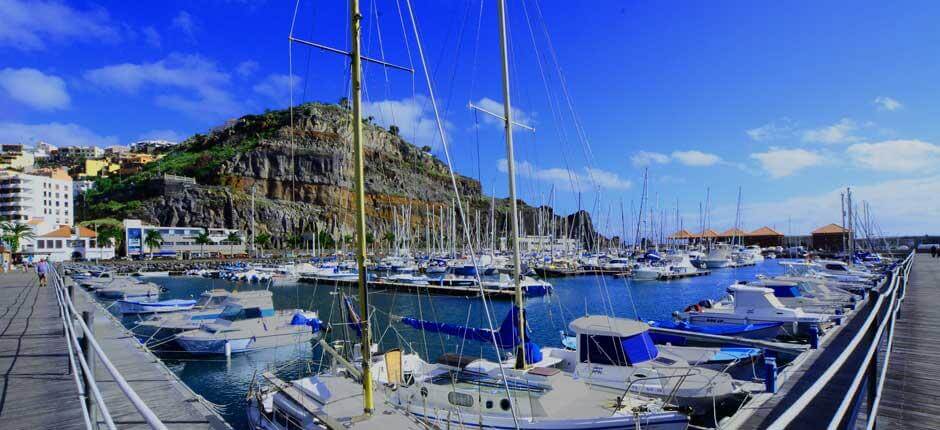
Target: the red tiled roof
(765, 231)
(830, 229)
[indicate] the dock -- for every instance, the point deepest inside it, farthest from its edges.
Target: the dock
(911, 397)
(470, 291)
(39, 390)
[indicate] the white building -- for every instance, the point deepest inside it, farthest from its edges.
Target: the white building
(15, 156)
(150, 146)
(44, 195)
(66, 243)
(542, 243)
(180, 242)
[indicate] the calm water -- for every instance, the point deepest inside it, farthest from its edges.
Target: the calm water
(225, 382)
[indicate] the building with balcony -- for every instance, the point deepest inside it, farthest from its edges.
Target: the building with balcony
(45, 195)
(180, 242)
(151, 146)
(15, 156)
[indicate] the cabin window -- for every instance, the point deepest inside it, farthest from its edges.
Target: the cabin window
(837, 267)
(252, 313)
(460, 399)
(602, 350)
(505, 404)
(489, 404)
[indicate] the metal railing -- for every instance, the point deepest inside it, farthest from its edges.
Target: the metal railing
(86, 350)
(880, 320)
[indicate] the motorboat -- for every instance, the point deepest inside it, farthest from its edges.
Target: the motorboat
(128, 289)
(144, 307)
(718, 257)
(752, 305)
(211, 305)
(225, 336)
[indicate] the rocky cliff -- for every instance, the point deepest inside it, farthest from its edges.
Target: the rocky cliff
(302, 181)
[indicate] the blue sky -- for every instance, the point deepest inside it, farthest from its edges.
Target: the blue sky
(789, 101)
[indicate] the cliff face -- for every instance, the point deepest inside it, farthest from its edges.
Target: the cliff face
(302, 183)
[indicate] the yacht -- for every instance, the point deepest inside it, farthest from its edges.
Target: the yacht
(128, 289)
(126, 307)
(718, 257)
(211, 305)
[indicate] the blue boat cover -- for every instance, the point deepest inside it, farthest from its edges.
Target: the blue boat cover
(718, 329)
(785, 290)
(725, 355)
(506, 337)
(639, 348)
(465, 271)
(300, 319)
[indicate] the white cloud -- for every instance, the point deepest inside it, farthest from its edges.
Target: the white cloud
(201, 85)
(589, 178)
(772, 130)
(58, 134)
(518, 115)
(778, 162)
(29, 26)
(897, 206)
(151, 36)
(695, 158)
(164, 134)
(246, 68)
(646, 158)
(413, 117)
(277, 87)
(887, 103)
(184, 22)
(896, 155)
(34, 88)
(840, 132)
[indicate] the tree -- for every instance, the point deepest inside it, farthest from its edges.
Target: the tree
(263, 240)
(389, 239)
(202, 239)
(393, 129)
(426, 148)
(344, 103)
(153, 239)
(14, 233)
(347, 240)
(233, 239)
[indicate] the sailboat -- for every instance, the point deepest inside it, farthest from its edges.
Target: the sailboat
(460, 392)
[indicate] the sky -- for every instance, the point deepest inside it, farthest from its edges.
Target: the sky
(790, 102)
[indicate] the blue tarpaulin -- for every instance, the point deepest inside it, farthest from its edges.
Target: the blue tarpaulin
(639, 348)
(506, 336)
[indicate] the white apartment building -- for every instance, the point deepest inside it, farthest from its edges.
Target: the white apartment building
(45, 195)
(180, 242)
(15, 156)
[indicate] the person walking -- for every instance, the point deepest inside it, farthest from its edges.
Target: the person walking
(42, 269)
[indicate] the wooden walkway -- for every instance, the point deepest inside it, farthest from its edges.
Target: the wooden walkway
(911, 397)
(38, 392)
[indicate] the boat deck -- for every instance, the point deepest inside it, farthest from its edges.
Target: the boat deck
(911, 396)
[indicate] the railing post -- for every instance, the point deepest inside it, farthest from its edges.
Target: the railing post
(89, 318)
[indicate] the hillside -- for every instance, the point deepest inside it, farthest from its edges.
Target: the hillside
(301, 185)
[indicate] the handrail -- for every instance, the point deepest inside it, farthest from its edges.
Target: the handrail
(795, 408)
(66, 301)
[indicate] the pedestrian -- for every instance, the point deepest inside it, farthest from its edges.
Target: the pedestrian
(41, 269)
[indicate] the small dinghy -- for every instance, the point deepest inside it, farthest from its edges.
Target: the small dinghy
(144, 307)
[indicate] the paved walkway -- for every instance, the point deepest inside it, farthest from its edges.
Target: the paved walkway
(911, 397)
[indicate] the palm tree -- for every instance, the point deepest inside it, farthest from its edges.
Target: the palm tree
(202, 239)
(233, 239)
(14, 233)
(390, 239)
(263, 240)
(347, 240)
(153, 239)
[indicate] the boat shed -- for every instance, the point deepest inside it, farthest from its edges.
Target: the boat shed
(829, 237)
(764, 237)
(735, 235)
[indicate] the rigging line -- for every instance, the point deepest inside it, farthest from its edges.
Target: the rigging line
(453, 179)
(378, 28)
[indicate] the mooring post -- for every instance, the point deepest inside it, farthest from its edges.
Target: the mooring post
(770, 370)
(89, 318)
(814, 337)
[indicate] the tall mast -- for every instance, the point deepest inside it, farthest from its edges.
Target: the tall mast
(507, 125)
(356, 67)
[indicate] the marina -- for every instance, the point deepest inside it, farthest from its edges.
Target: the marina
(466, 215)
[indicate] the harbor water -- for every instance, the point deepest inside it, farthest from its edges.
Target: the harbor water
(225, 382)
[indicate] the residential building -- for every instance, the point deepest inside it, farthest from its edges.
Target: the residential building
(134, 162)
(151, 146)
(98, 168)
(66, 243)
(75, 152)
(115, 150)
(180, 242)
(44, 195)
(43, 149)
(15, 156)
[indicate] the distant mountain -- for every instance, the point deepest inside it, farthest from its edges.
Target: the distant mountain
(302, 185)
